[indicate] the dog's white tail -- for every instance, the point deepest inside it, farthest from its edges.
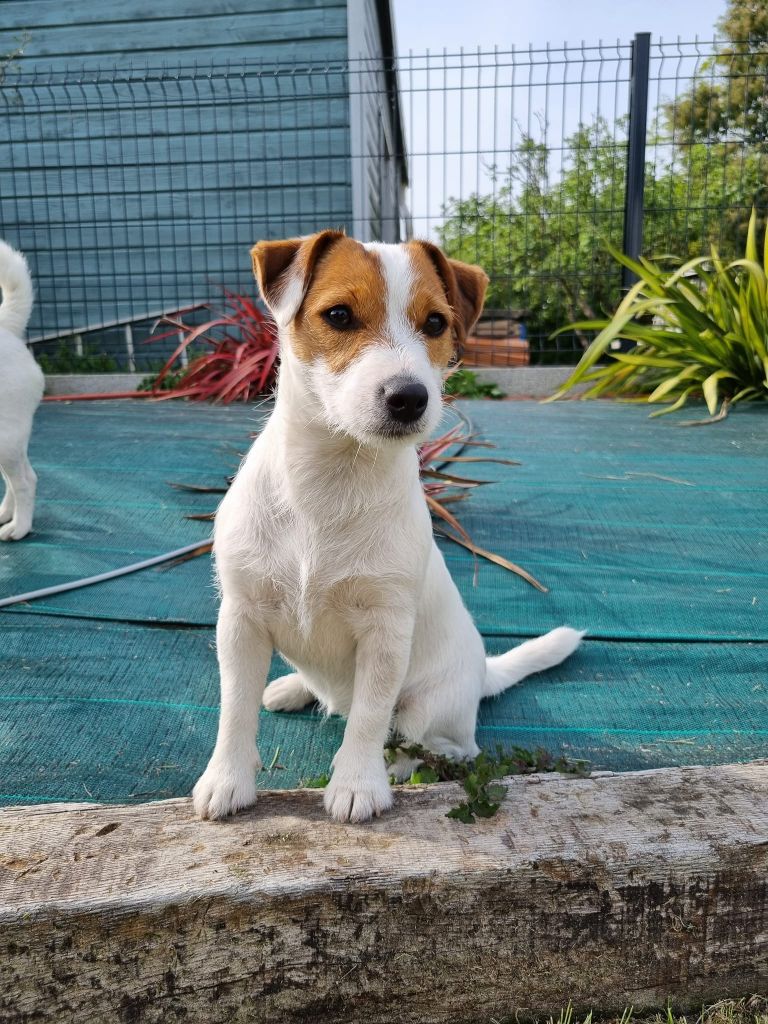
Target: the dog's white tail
(532, 656)
(18, 295)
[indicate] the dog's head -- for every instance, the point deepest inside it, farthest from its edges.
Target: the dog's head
(371, 327)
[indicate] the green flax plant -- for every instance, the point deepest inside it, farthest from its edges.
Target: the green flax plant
(698, 329)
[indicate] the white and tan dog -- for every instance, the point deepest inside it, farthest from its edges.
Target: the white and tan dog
(21, 388)
(323, 544)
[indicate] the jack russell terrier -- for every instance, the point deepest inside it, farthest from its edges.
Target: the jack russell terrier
(21, 388)
(323, 544)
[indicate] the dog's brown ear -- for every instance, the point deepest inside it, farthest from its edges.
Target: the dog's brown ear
(465, 286)
(283, 270)
(471, 285)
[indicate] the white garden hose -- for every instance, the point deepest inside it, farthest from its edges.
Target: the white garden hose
(60, 588)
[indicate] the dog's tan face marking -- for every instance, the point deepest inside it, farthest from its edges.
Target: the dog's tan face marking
(352, 277)
(349, 276)
(328, 271)
(464, 286)
(428, 296)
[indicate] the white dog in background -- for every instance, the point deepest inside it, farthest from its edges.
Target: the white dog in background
(323, 544)
(21, 388)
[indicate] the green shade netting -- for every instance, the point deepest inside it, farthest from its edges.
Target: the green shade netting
(652, 537)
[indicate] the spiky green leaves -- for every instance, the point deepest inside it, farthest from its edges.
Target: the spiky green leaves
(698, 330)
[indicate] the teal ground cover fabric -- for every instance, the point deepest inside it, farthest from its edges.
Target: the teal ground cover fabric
(640, 529)
(115, 712)
(652, 537)
(105, 500)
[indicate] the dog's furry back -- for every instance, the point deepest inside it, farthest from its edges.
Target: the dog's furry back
(18, 294)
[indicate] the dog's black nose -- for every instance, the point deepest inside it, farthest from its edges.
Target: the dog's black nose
(406, 401)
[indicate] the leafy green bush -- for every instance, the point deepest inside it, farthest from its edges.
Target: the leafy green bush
(701, 329)
(539, 232)
(66, 360)
(170, 382)
(465, 384)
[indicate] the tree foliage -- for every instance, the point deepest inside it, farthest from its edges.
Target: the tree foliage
(729, 100)
(542, 229)
(540, 236)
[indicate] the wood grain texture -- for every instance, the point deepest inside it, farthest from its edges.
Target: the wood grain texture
(235, 29)
(20, 14)
(611, 890)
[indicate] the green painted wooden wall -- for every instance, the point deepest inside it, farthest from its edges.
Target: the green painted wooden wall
(135, 183)
(102, 32)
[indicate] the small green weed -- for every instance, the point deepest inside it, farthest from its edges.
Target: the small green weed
(423, 774)
(169, 382)
(318, 782)
(466, 384)
(752, 1010)
(479, 777)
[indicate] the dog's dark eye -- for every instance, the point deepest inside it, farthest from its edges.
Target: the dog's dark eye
(434, 325)
(339, 317)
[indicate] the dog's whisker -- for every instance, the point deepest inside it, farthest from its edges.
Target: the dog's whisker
(314, 418)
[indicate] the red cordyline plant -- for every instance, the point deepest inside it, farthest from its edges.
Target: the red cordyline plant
(240, 363)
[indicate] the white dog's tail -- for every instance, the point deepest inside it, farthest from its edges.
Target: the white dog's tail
(18, 295)
(532, 656)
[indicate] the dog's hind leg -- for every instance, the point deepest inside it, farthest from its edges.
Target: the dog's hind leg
(402, 766)
(288, 693)
(7, 504)
(19, 503)
(431, 721)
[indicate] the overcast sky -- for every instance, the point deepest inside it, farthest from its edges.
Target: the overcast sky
(433, 24)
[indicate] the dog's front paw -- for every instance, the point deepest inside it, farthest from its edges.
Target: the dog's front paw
(358, 795)
(226, 787)
(14, 530)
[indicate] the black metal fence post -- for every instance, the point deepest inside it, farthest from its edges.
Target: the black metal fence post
(638, 122)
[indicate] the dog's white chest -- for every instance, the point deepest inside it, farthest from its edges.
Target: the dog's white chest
(318, 574)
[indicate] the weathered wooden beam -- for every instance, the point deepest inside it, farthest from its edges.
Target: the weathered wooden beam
(607, 891)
